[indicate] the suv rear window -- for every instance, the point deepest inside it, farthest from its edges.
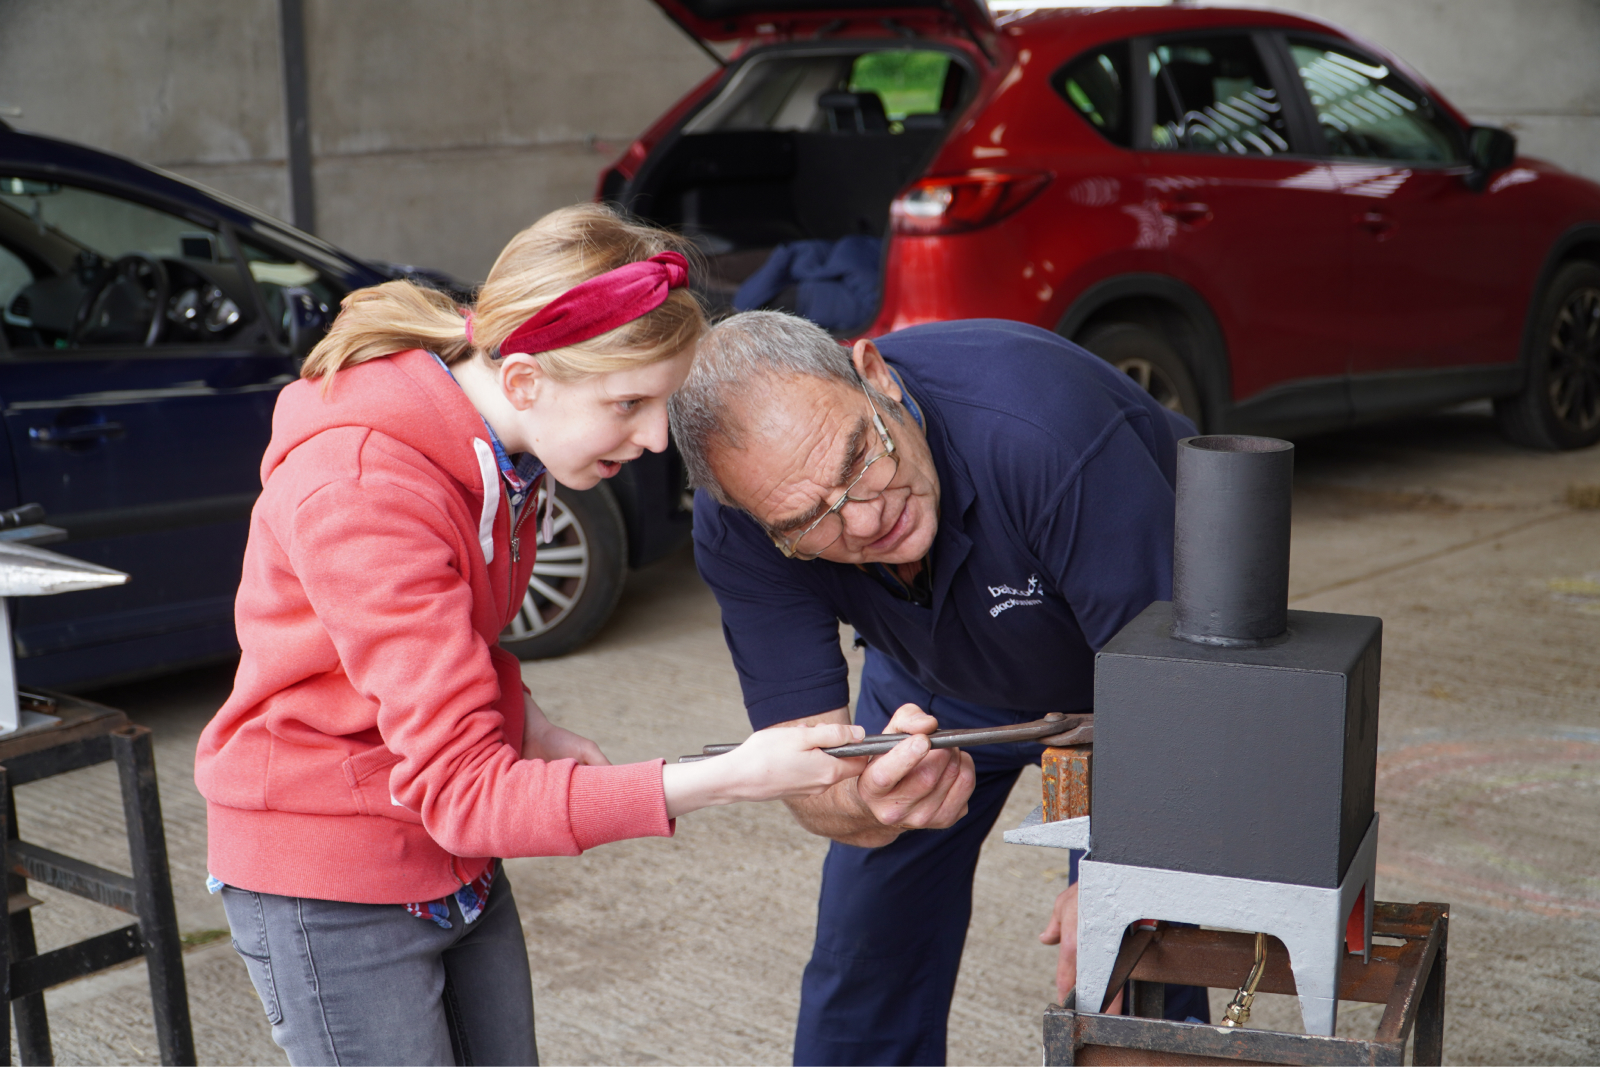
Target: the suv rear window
(908, 83)
(893, 89)
(1097, 87)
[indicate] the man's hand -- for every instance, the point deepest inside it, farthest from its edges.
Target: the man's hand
(912, 786)
(1063, 931)
(543, 739)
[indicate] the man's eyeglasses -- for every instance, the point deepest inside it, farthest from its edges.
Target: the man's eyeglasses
(875, 476)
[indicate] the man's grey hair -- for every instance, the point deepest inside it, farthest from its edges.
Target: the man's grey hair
(733, 360)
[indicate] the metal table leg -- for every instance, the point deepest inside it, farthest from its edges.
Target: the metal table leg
(158, 917)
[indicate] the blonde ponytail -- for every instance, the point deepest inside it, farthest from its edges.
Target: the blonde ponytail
(561, 250)
(386, 319)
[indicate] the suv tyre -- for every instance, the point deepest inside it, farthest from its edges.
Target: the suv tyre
(577, 577)
(1145, 355)
(1559, 406)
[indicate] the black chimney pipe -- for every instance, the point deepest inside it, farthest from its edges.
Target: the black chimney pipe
(1230, 565)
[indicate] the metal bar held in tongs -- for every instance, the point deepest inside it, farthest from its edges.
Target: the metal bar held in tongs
(1056, 728)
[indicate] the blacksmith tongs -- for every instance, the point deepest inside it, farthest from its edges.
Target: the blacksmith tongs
(1056, 728)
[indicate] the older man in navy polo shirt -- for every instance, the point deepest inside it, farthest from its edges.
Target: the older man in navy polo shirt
(985, 504)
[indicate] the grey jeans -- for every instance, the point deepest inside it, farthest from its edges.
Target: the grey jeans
(372, 984)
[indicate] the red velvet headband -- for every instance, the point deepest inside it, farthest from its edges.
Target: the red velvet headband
(598, 305)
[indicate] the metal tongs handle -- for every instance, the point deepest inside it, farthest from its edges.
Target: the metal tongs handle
(1056, 728)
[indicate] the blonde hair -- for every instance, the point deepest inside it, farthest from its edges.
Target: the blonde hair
(559, 251)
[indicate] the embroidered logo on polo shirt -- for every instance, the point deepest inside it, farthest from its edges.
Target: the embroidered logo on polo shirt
(1015, 598)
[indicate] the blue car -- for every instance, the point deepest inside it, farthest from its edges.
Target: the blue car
(148, 325)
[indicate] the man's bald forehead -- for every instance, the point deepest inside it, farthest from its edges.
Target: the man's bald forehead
(799, 439)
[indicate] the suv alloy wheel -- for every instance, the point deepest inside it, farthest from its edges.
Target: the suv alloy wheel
(1559, 406)
(1145, 355)
(577, 577)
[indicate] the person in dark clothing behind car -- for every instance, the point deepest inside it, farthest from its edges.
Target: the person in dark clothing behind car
(986, 504)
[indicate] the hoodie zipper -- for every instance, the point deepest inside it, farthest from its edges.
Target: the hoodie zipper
(531, 504)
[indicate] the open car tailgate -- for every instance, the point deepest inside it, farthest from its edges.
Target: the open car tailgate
(729, 20)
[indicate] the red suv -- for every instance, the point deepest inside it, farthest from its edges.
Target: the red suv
(1273, 227)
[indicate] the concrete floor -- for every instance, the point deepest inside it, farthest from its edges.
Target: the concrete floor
(690, 950)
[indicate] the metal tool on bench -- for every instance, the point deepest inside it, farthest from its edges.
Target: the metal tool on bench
(1056, 728)
(26, 570)
(42, 735)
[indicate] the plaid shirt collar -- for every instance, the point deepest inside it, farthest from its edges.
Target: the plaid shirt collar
(522, 474)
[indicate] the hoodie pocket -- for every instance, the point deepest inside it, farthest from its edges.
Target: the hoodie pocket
(368, 776)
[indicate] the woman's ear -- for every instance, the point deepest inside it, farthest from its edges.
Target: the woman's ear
(521, 378)
(869, 363)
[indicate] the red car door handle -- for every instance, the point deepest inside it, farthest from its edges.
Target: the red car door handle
(1190, 211)
(1376, 223)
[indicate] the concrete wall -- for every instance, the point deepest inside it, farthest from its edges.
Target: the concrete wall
(1531, 66)
(439, 127)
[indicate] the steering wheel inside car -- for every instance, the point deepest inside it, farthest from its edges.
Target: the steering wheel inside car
(126, 307)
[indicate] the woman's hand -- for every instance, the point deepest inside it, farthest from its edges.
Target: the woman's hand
(543, 739)
(769, 765)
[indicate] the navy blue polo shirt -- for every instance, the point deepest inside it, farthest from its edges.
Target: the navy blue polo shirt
(1055, 528)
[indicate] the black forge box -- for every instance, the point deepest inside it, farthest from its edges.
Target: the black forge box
(1243, 762)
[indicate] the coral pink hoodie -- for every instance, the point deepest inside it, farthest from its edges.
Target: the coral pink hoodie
(369, 750)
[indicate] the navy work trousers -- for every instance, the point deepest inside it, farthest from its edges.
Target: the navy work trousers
(892, 921)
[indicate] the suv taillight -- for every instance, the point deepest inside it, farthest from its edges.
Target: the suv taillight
(961, 202)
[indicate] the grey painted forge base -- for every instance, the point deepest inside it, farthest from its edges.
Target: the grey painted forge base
(1310, 921)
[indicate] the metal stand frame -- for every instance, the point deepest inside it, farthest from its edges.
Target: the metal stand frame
(1408, 978)
(89, 734)
(1308, 919)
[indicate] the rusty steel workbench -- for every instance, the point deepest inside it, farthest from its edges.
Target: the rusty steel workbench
(81, 733)
(1409, 978)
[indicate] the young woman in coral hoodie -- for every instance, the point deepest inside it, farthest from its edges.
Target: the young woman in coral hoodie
(379, 753)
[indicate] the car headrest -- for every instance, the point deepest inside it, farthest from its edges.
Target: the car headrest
(854, 112)
(1194, 83)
